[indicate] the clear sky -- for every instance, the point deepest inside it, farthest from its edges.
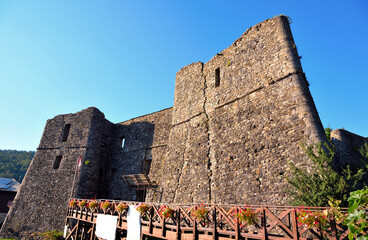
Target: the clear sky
(59, 57)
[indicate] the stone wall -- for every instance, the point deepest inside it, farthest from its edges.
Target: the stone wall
(145, 145)
(238, 119)
(347, 146)
(41, 202)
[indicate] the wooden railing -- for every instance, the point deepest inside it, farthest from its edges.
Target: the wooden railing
(274, 223)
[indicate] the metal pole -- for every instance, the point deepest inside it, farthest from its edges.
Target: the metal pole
(71, 193)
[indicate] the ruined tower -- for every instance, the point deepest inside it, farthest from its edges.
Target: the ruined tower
(48, 183)
(237, 121)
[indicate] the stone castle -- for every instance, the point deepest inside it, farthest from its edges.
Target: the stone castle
(236, 122)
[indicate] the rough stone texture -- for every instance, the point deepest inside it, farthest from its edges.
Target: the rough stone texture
(41, 202)
(347, 146)
(236, 122)
(146, 138)
(231, 143)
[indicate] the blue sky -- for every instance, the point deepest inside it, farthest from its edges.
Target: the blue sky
(59, 57)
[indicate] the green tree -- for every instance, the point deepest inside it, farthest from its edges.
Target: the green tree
(323, 181)
(364, 150)
(14, 164)
(328, 133)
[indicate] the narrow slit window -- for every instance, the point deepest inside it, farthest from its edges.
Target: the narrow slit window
(66, 130)
(122, 141)
(57, 162)
(217, 77)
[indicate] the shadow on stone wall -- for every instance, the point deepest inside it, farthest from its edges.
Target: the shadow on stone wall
(130, 154)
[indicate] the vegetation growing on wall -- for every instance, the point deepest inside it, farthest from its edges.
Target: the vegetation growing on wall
(325, 182)
(14, 164)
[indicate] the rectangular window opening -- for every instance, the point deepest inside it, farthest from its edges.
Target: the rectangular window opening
(217, 77)
(66, 130)
(57, 162)
(122, 139)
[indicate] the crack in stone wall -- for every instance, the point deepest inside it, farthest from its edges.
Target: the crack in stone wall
(209, 142)
(185, 162)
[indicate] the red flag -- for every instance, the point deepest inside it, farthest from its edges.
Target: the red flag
(79, 163)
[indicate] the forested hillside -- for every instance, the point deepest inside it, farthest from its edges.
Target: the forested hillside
(14, 164)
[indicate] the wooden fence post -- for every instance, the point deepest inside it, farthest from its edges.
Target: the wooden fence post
(333, 229)
(264, 226)
(150, 225)
(237, 230)
(178, 230)
(195, 230)
(163, 227)
(294, 224)
(214, 223)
